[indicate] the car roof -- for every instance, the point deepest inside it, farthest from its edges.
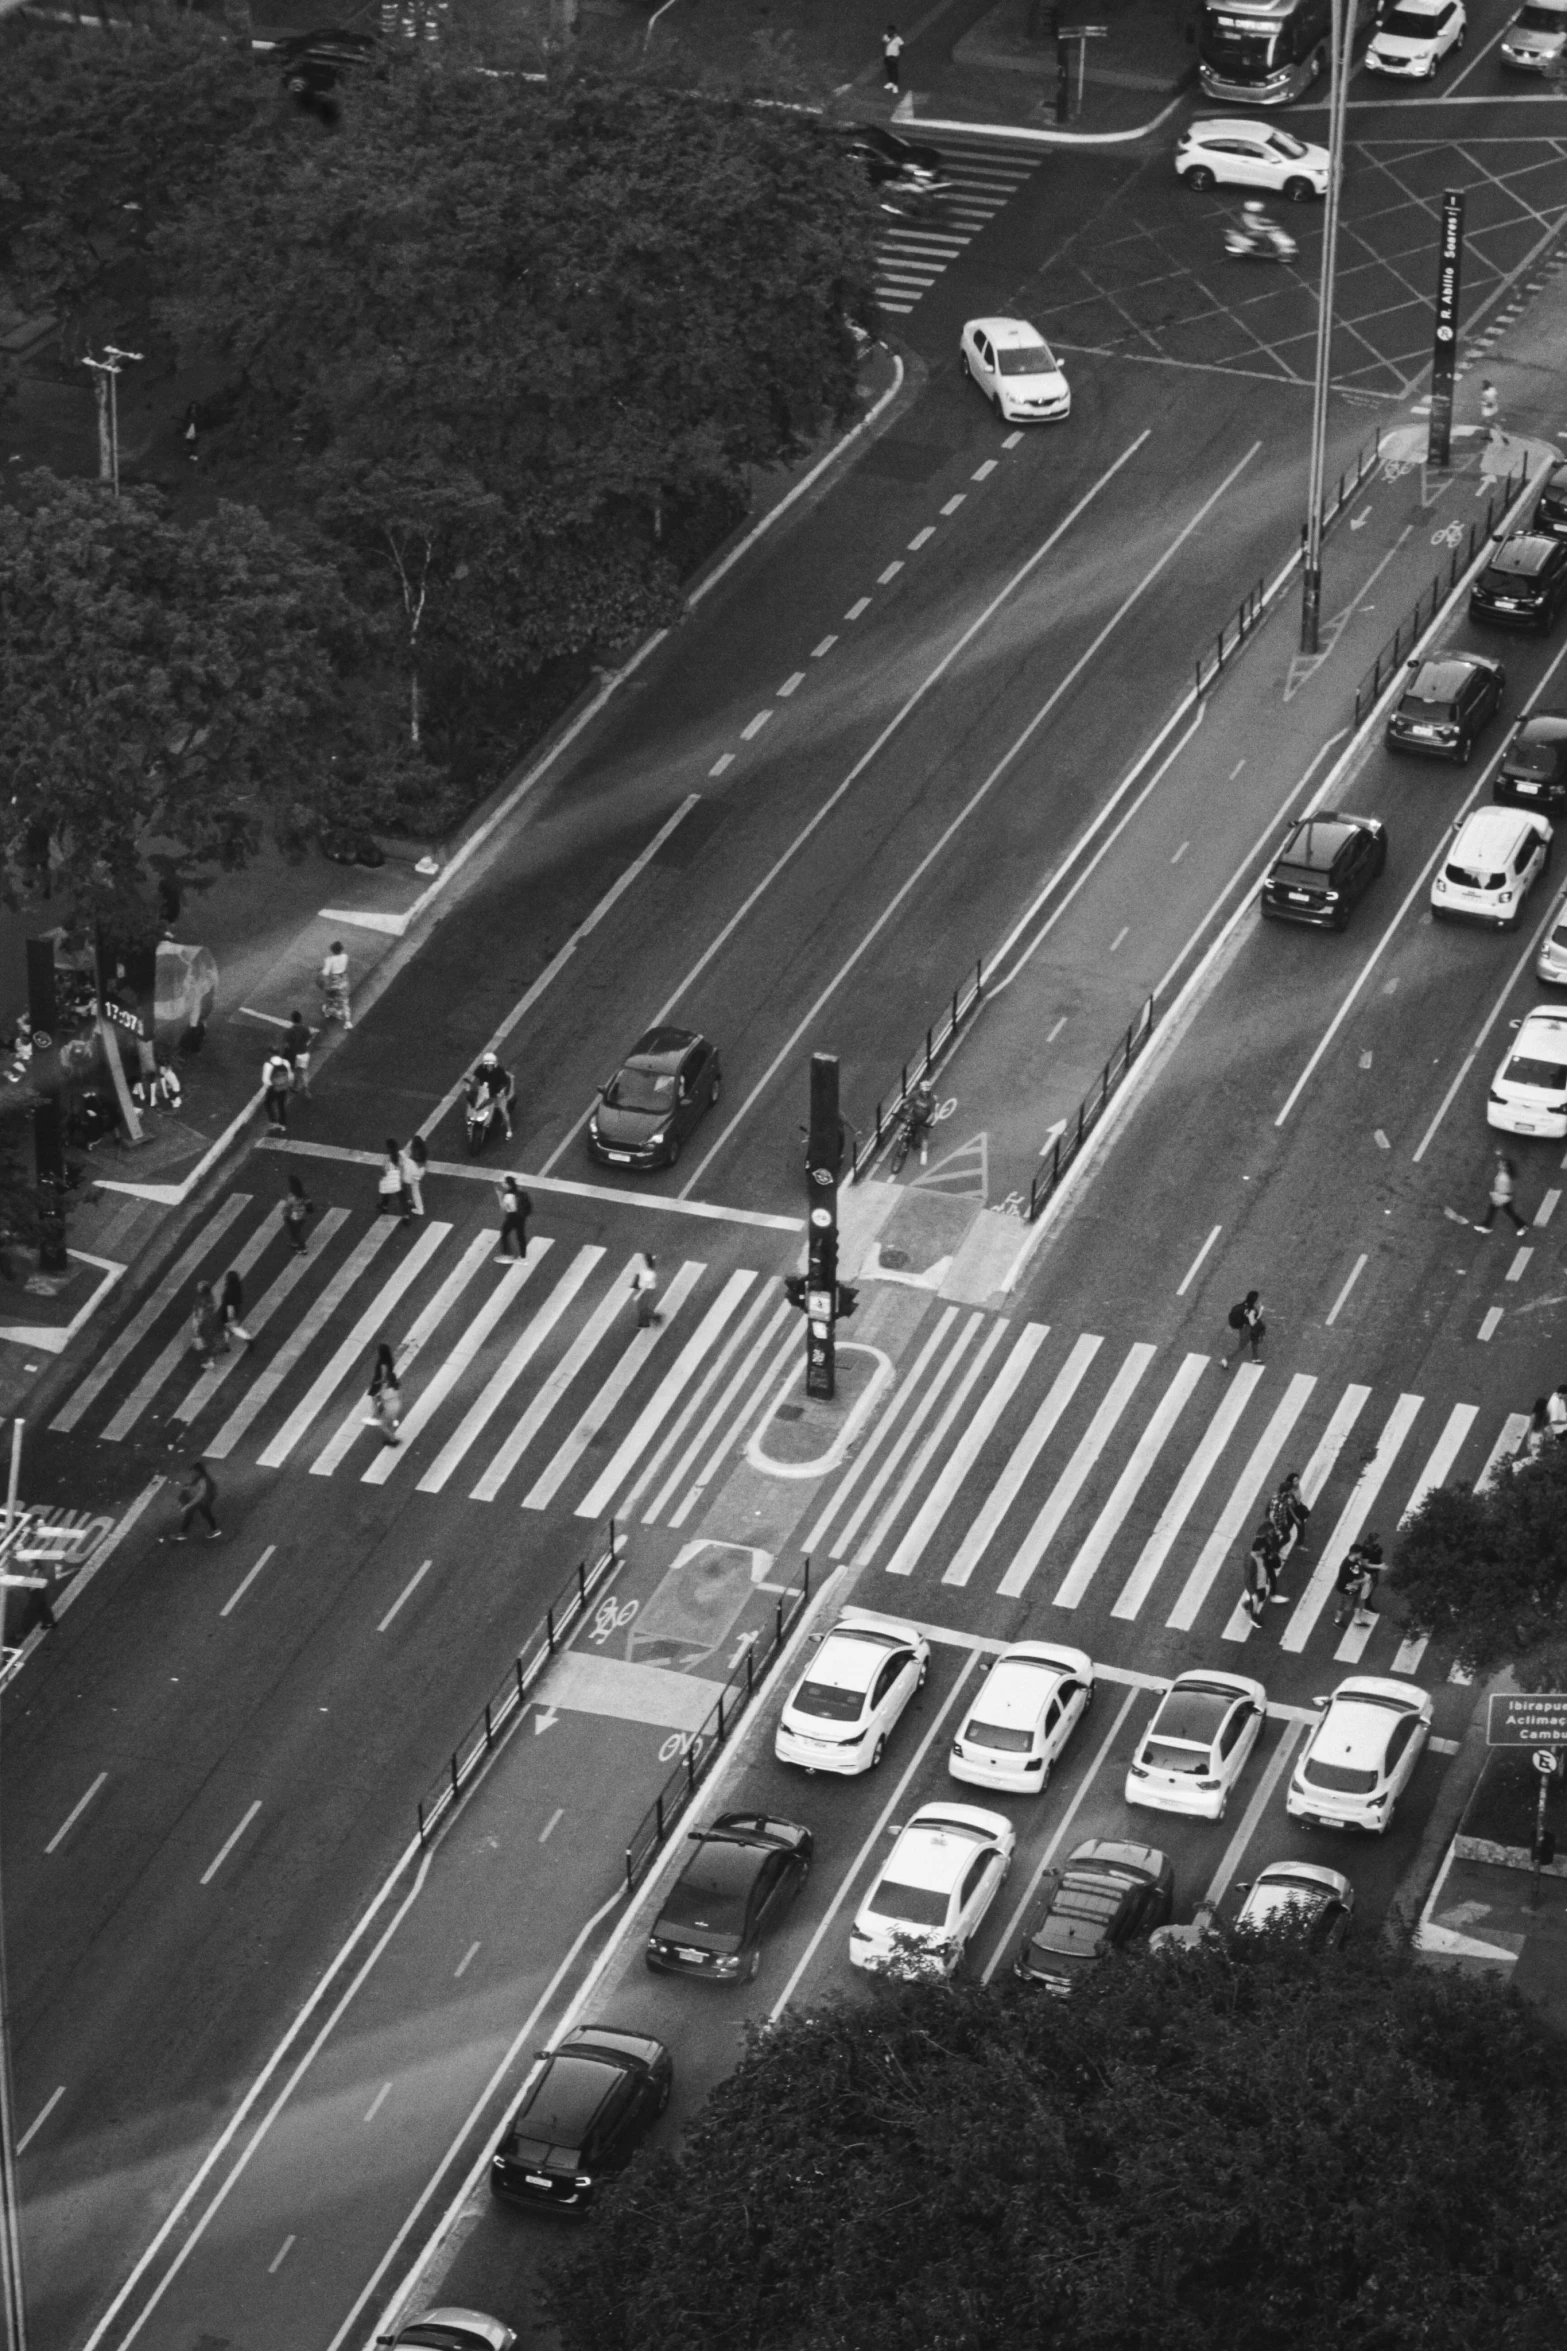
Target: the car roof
(937, 1845)
(1231, 1685)
(1009, 334)
(1526, 553)
(662, 1049)
(1492, 831)
(1273, 1898)
(1421, 7)
(1441, 678)
(1315, 841)
(1015, 1691)
(857, 1647)
(1220, 126)
(1315, 1873)
(1360, 1718)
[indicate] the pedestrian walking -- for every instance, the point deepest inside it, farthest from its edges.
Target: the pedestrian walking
(197, 1498)
(297, 1041)
(1504, 1182)
(277, 1076)
(1357, 1580)
(389, 1184)
(386, 1396)
(335, 1003)
(206, 1332)
(1491, 412)
(231, 1305)
(412, 1160)
(1290, 1511)
(644, 1289)
(516, 1208)
(297, 1212)
(1250, 1330)
(1257, 1574)
(892, 58)
(1556, 1410)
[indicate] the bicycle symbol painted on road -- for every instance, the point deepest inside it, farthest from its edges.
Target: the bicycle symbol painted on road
(611, 1617)
(1395, 468)
(679, 1744)
(1449, 536)
(1015, 1204)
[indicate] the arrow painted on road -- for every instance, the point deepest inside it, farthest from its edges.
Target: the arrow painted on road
(1058, 1129)
(1359, 521)
(747, 1641)
(543, 1718)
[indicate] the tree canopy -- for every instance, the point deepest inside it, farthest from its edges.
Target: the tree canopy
(1245, 2146)
(1485, 1573)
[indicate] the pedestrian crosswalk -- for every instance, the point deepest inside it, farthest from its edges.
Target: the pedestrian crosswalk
(911, 256)
(1065, 1470)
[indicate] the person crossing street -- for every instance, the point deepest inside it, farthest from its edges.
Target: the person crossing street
(1504, 1183)
(197, 1498)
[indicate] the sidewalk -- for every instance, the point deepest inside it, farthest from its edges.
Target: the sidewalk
(1486, 1912)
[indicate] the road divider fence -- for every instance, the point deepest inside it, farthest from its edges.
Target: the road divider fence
(704, 1746)
(1431, 598)
(1065, 1146)
(942, 1032)
(564, 1611)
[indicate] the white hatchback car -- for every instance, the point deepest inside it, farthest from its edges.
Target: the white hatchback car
(1497, 856)
(1034, 1697)
(1550, 964)
(1251, 155)
(1195, 1748)
(838, 1715)
(1362, 1754)
(1415, 36)
(1016, 370)
(947, 1867)
(1529, 1092)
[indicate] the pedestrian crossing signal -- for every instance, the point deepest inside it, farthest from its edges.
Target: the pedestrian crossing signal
(794, 1289)
(848, 1299)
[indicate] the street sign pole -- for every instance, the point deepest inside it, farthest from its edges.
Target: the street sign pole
(1311, 567)
(1545, 1763)
(1444, 335)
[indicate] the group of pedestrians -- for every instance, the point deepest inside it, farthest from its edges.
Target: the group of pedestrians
(1283, 1524)
(215, 1319)
(400, 1184)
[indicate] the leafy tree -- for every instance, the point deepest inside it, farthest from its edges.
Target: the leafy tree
(1485, 1574)
(154, 681)
(1246, 2146)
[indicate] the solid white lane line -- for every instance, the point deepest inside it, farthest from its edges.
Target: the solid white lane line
(39, 2119)
(635, 1353)
(1251, 1819)
(228, 1845)
(1191, 1270)
(407, 1593)
(1355, 1272)
(1021, 1460)
(258, 1316)
(179, 1347)
(745, 1328)
(141, 1322)
(1193, 1478)
(596, 1502)
(778, 1320)
(1074, 1477)
(913, 1477)
(439, 1386)
(479, 1252)
(966, 1452)
(1242, 1502)
(377, 2102)
(353, 1348)
(613, 1307)
(510, 1370)
(69, 1823)
(1351, 1519)
(1059, 1833)
(245, 1582)
(265, 1386)
(886, 1423)
(1131, 1481)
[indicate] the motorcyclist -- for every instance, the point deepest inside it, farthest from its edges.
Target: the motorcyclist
(492, 1088)
(1259, 227)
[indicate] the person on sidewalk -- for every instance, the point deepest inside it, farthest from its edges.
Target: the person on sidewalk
(1245, 1320)
(277, 1075)
(206, 1331)
(297, 1041)
(644, 1289)
(231, 1305)
(516, 1208)
(892, 58)
(386, 1395)
(413, 1159)
(389, 1184)
(334, 986)
(197, 1498)
(298, 1209)
(1491, 413)
(1504, 1182)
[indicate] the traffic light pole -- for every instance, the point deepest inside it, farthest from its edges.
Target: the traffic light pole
(823, 1159)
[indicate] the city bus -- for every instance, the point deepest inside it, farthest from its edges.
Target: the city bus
(1265, 52)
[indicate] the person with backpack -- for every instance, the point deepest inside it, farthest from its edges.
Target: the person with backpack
(391, 1199)
(1245, 1320)
(1289, 1511)
(277, 1076)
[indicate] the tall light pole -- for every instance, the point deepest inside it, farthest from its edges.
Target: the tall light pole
(1311, 572)
(106, 372)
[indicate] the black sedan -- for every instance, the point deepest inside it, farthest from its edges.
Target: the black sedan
(744, 1874)
(1328, 862)
(1450, 698)
(645, 1113)
(1550, 508)
(1524, 586)
(1534, 765)
(587, 2113)
(890, 162)
(1105, 1895)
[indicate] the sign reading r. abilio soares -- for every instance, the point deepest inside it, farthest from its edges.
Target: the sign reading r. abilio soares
(1526, 1718)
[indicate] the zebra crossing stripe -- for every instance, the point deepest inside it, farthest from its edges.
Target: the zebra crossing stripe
(906, 1390)
(1502, 1451)
(141, 1322)
(352, 1350)
(596, 1502)
(638, 1348)
(258, 1316)
(754, 1316)
(1021, 1460)
(1444, 1453)
(1313, 1478)
(1351, 1519)
(752, 1404)
(1193, 1478)
(266, 1386)
(511, 1368)
(337, 1446)
(914, 1476)
(968, 1449)
(1130, 1483)
(550, 1391)
(435, 1391)
(179, 1346)
(913, 1421)
(1074, 1477)
(1242, 1502)
(778, 1322)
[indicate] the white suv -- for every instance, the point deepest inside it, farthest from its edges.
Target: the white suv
(1415, 36)
(1536, 38)
(1251, 155)
(1529, 1092)
(1497, 856)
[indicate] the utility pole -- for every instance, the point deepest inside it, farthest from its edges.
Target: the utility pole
(106, 377)
(1311, 569)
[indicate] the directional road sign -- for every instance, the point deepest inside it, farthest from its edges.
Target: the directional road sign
(1526, 1718)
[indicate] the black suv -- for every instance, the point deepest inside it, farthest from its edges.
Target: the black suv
(889, 162)
(1524, 586)
(1327, 863)
(1533, 773)
(1449, 698)
(744, 1874)
(1104, 1896)
(584, 2118)
(1550, 508)
(312, 64)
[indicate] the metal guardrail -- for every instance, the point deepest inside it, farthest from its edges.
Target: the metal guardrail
(966, 1001)
(568, 1605)
(1091, 1109)
(653, 1829)
(1430, 599)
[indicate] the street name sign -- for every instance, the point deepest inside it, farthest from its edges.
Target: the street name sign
(1526, 1718)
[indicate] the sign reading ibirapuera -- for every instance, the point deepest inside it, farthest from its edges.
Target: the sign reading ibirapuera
(1526, 1718)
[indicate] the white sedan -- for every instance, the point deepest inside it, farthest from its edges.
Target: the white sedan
(1197, 1745)
(838, 1715)
(1034, 1697)
(1016, 370)
(1528, 1094)
(1414, 37)
(941, 1877)
(1362, 1754)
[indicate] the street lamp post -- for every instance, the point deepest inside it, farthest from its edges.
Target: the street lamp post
(1311, 572)
(106, 372)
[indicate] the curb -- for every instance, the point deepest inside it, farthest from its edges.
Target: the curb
(1038, 138)
(1463, 1775)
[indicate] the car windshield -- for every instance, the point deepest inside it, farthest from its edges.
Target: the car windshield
(1227, 40)
(1192, 1714)
(1525, 1070)
(713, 1888)
(997, 1735)
(919, 1906)
(1469, 877)
(1409, 25)
(634, 1088)
(1165, 1755)
(1542, 20)
(1343, 1778)
(1315, 845)
(1027, 359)
(829, 1701)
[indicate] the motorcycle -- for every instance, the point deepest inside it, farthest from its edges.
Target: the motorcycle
(915, 1121)
(481, 1116)
(1264, 244)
